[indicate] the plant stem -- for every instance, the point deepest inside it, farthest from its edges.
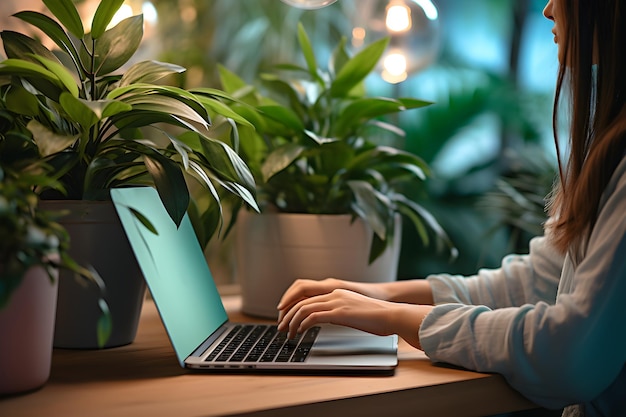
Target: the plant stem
(92, 70)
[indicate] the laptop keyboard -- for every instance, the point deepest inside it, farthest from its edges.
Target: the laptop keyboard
(263, 343)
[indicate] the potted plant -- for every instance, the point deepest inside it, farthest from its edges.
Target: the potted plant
(100, 123)
(314, 152)
(33, 247)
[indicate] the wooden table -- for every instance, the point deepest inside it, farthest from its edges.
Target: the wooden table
(144, 379)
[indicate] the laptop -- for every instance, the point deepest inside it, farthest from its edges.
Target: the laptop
(197, 324)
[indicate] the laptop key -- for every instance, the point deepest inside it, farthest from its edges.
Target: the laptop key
(247, 345)
(274, 347)
(264, 341)
(223, 343)
(305, 345)
(287, 349)
(253, 343)
(234, 343)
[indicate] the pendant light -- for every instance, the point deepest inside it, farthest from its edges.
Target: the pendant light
(309, 4)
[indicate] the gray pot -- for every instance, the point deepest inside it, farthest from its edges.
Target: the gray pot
(97, 239)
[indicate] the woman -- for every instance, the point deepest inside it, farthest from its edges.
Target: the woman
(552, 322)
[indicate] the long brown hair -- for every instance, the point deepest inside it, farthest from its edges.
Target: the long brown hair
(594, 69)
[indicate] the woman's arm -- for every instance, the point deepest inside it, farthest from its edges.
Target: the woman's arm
(521, 279)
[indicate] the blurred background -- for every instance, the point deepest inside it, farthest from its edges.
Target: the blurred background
(489, 66)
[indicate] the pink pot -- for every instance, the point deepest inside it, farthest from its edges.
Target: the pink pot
(26, 333)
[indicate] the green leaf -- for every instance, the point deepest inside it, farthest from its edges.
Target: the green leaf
(283, 115)
(104, 14)
(205, 179)
(170, 183)
(42, 79)
(292, 92)
(140, 93)
(109, 108)
(78, 111)
(280, 159)
(242, 173)
(418, 215)
(388, 127)
(165, 104)
(387, 158)
(224, 161)
(62, 162)
(144, 221)
(61, 72)
(20, 101)
(147, 72)
(244, 194)
(66, 12)
(116, 164)
(413, 103)
(222, 109)
(20, 67)
(117, 45)
(249, 114)
(338, 58)
(129, 121)
(47, 141)
(17, 45)
(182, 149)
(361, 110)
(319, 140)
(358, 68)
(231, 83)
(52, 29)
(373, 206)
(214, 93)
(377, 248)
(307, 50)
(105, 323)
(102, 108)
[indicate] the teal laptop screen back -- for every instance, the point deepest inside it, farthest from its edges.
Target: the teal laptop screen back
(174, 267)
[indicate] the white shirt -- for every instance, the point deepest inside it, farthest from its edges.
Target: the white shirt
(555, 330)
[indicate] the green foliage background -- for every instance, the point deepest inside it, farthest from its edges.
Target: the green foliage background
(478, 207)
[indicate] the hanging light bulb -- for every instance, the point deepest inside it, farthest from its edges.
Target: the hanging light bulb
(413, 29)
(395, 67)
(398, 17)
(309, 4)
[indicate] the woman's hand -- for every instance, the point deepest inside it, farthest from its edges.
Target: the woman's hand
(324, 304)
(302, 289)
(416, 291)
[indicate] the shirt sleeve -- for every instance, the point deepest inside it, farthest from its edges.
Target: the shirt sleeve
(521, 279)
(554, 354)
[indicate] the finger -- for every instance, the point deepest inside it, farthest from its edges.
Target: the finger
(284, 316)
(301, 289)
(316, 318)
(293, 294)
(308, 314)
(282, 312)
(286, 323)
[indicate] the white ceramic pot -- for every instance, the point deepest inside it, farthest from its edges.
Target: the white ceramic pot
(275, 249)
(26, 333)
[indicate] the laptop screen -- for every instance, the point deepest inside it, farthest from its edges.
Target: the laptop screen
(174, 267)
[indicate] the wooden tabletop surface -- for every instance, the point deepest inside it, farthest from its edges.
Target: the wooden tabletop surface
(144, 379)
